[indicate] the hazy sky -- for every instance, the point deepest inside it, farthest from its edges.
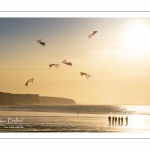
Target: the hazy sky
(117, 57)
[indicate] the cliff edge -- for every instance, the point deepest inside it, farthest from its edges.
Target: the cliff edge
(19, 99)
(45, 100)
(32, 99)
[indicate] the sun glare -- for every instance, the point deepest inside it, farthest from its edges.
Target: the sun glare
(137, 37)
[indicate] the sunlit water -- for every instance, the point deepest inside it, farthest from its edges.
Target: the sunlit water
(91, 118)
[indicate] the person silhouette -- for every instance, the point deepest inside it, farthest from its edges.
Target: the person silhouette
(109, 119)
(126, 120)
(119, 121)
(115, 120)
(122, 121)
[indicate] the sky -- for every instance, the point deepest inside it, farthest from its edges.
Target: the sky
(117, 57)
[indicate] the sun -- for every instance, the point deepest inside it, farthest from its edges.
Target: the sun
(138, 37)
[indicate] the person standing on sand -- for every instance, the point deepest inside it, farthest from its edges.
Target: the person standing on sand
(126, 120)
(109, 119)
(115, 120)
(122, 121)
(119, 121)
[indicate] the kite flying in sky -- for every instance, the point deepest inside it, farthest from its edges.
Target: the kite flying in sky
(67, 63)
(94, 32)
(87, 75)
(42, 43)
(31, 80)
(56, 65)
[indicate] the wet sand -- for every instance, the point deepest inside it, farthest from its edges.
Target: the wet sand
(30, 113)
(70, 122)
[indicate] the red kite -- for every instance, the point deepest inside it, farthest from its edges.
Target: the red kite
(42, 43)
(31, 80)
(94, 32)
(87, 75)
(67, 63)
(56, 65)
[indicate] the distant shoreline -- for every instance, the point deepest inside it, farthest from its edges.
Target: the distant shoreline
(32, 99)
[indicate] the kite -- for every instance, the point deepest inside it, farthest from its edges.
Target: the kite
(42, 43)
(87, 75)
(94, 32)
(56, 65)
(31, 80)
(67, 63)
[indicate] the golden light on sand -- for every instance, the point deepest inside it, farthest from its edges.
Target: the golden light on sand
(137, 37)
(139, 121)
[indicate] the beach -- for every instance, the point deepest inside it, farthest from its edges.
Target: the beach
(56, 121)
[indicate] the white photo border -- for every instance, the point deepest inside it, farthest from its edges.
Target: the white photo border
(50, 135)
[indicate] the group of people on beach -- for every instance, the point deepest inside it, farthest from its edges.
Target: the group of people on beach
(120, 120)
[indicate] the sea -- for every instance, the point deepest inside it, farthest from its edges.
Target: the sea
(75, 118)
